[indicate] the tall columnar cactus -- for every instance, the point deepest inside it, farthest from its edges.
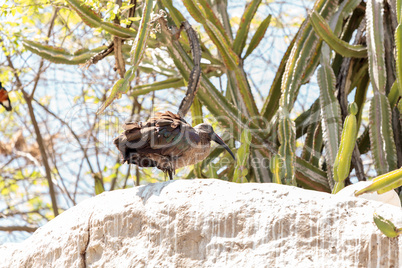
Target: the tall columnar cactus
(302, 54)
(382, 143)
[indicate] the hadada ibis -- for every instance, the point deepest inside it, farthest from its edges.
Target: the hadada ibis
(167, 142)
(4, 99)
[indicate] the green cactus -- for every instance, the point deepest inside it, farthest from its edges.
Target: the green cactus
(276, 169)
(384, 183)
(242, 157)
(346, 146)
(323, 39)
(322, 28)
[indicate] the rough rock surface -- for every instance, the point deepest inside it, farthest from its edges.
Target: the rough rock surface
(212, 223)
(390, 197)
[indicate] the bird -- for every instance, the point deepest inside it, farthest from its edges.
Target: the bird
(4, 98)
(167, 142)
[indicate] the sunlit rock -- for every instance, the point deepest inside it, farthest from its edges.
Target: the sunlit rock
(212, 223)
(390, 197)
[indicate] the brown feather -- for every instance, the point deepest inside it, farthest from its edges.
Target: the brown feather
(159, 142)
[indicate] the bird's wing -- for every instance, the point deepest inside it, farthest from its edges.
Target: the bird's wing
(166, 134)
(5, 99)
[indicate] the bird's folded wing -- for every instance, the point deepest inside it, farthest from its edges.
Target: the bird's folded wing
(165, 134)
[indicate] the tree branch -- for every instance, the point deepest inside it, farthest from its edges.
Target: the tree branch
(39, 139)
(118, 44)
(28, 229)
(49, 32)
(84, 150)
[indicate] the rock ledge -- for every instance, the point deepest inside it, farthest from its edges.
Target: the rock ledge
(212, 223)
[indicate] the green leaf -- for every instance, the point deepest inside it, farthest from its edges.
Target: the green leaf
(343, 48)
(99, 188)
(308, 142)
(386, 226)
(178, 18)
(150, 66)
(339, 185)
(257, 37)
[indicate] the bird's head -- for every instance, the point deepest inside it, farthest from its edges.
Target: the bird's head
(4, 99)
(208, 131)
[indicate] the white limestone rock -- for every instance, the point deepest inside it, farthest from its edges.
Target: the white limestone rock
(390, 197)
(212, 223)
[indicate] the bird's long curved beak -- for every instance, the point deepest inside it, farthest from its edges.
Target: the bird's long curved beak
(219, 141)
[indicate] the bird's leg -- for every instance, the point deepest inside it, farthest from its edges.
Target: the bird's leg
(176, 32)
(170, 172)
